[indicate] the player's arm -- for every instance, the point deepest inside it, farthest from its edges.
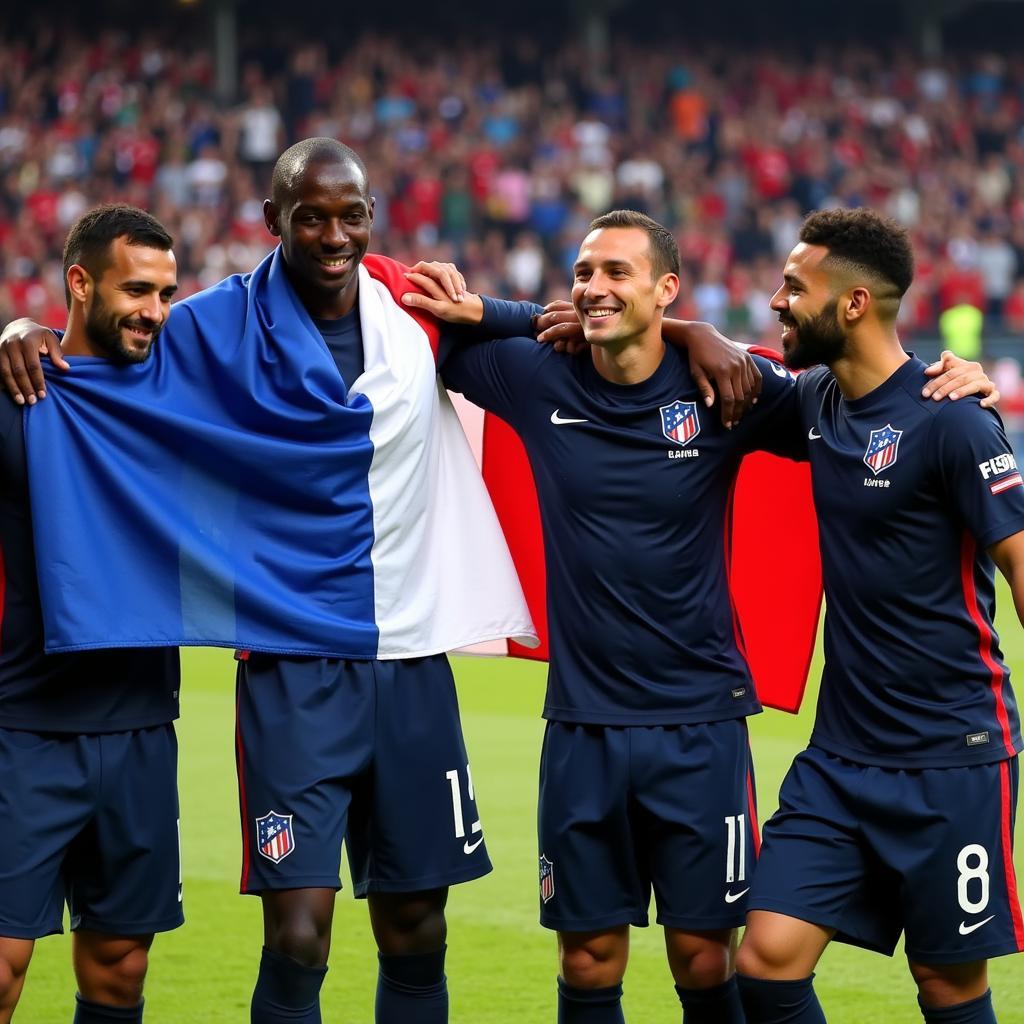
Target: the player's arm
(1008, 554)
(713, 357)
(494, 318)
(955, 378)
(21, 372)
(776, 425)
(495, 374)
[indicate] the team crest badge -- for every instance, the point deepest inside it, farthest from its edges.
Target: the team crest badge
(679, 422)
(547, 879)
(883, 446)
(274, 836)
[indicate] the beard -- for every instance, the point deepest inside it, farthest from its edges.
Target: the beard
(819, 340)
(104, 331)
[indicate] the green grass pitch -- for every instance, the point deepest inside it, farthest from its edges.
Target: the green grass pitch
(501, 964)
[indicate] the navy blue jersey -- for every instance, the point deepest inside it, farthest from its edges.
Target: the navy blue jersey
(634, 484)
(344, 339)
(910, 493)
(90, 692)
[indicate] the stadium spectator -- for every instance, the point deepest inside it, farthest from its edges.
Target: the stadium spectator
(739, 148)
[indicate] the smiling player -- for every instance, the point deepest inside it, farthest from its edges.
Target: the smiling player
(899, 815)
(88, 755)
(646, 777)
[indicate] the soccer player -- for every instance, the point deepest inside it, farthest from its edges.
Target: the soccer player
(899, 815)
(392, 721)
(88, 755)
(646, 777)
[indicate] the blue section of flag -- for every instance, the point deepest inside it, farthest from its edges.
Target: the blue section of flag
(220, 490)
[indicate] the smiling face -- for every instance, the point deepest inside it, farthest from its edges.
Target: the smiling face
(126, 307)
(806, 304)
(324, 224)
(616, 295)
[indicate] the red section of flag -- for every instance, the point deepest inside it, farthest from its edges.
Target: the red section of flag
(391, 274)
(775, 575)
(509, 479)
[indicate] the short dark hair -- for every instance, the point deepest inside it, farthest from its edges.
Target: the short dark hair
(664, 251)
(89, 240)
(864, 241)
(292, 164)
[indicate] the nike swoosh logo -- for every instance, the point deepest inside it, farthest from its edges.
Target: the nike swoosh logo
(732, 897)
(966, 929)
(812, 436)
(560, 421)
(468, 847)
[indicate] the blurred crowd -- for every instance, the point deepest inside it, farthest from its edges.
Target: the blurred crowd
(497, 155)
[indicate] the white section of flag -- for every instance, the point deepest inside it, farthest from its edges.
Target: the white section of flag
(443, 575)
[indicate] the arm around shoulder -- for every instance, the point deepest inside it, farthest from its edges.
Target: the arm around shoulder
(21, 372)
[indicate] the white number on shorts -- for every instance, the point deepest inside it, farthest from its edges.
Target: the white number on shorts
(972, 863)
(453, 781)
(736, 851)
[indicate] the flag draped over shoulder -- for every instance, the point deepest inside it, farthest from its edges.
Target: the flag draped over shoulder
(231, 492)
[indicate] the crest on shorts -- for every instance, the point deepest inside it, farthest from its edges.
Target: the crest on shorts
(547, 879)
(883, 446)
(679, 422)
(274, 836)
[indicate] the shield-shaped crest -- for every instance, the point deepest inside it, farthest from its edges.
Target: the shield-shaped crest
(274, 836)
(547, 879)
(679, 422)
(883, 446)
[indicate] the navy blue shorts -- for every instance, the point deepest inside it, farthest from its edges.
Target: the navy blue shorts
(93, 821)
(626, 809)
(872, 852)
(366, 751)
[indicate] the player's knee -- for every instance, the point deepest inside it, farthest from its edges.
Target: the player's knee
(408, 924)
(597, 961)
(114, 978)
(758, 958)
(302, 939)
(950, 984)
(12, 970)
(701, 960)
(297, 924)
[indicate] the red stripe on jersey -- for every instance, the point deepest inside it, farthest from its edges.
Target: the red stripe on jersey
(755, 829)
(243, 804)
(1006, 819)
(737, 630)
(996, 671)
(1007, 482)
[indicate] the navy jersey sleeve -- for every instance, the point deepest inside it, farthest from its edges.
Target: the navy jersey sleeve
(774, 424)
(496, 375)
(507, 318)
(978, 471)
